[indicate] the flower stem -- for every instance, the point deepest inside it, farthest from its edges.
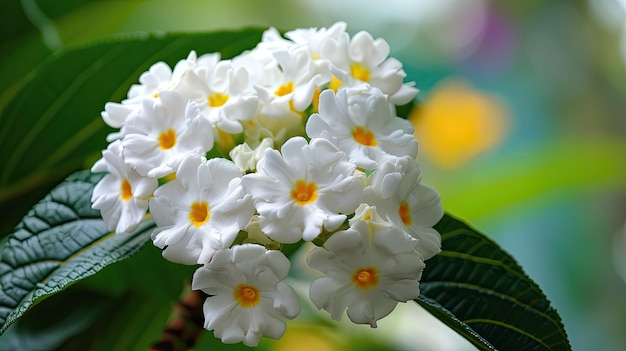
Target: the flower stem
(183, 332)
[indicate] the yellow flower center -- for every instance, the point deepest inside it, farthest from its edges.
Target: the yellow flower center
(366, 278)
(360, 72)
(364, 136)
(199, 213)
(217, 99)
(304, 193)
(316, 99)
(335, 83)
(247, 295)
(405, 213)
(167, 139)
(284, 89)
(126, 191)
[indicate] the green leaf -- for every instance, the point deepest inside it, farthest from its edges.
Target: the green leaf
(32, 31)
(441, 313)
(480, 291)
(60, 241)
(53, 126)
(21, 47)
(51, 323)
(143, 302)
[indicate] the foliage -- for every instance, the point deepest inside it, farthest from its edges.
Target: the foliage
(473, 285)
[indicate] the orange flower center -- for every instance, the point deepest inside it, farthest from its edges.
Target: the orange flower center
(364, 136)
(126, 191)
(199, 213)
(167, 139)
(218, 99)
(304, 193)
(405, 213)
(247, 295)
(366, 278)
(284, 89)
(360, 72)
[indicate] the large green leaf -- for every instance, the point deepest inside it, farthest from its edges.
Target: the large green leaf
(53, 321)
(481, 292)
(59, 242)
(144, 301)
(52, 126)
(137, 293)
(22, 45)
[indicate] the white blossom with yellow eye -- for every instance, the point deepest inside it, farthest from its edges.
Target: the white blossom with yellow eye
(396, 190)
(164, 133)
(363, 59)
(309, 188)
(201, 211)
(289, 85)
(157, 78)
(247, 294)
(121, 195)
(224, 94)
(362, 125)
(370, 267)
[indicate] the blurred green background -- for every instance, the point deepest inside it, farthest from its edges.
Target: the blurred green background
(521, 123)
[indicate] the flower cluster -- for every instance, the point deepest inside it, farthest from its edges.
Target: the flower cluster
(303, 144)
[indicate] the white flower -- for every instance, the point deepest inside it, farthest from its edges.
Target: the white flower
(256, 235)
(223, 93)
(369, 267)
(158, 77)
(201, 211)
(363, 125)
(365, 60)
(313, 38)
(207, 61)
(122, 195)
(271, 41)
(163, 133)
(254, 61)
(277, 129)
(246, 294)
(288, 86)
(116, 115)
(306, 190)
(370, 215)
(245, 158)
(398, 194)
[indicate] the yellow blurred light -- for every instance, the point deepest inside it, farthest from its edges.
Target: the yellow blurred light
(457, 123)
(308, 337)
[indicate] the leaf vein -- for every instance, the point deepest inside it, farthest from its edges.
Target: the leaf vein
(482, 290)
(508, 326)
(49, 113)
